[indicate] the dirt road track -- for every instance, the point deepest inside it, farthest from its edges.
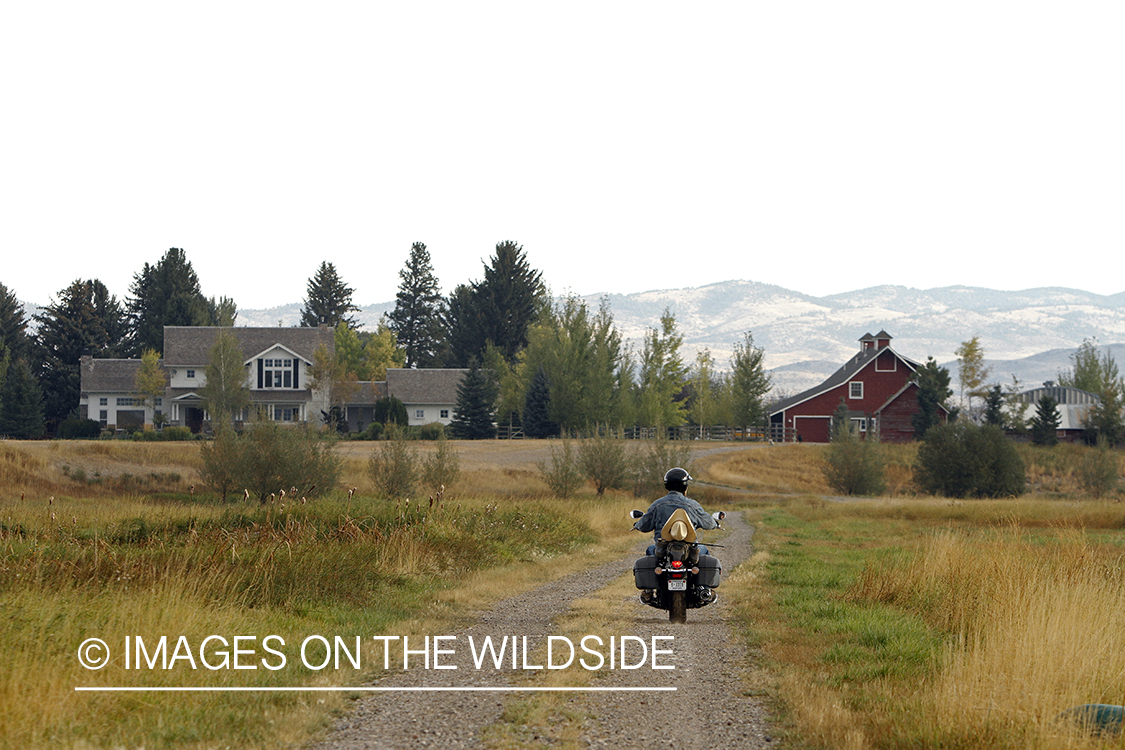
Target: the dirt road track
(708, 709)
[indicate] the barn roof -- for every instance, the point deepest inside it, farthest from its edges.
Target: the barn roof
(848, 371)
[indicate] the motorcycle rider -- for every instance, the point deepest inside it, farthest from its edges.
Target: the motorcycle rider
(676, 482)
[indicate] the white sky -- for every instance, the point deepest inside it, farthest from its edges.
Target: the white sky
(822, 146)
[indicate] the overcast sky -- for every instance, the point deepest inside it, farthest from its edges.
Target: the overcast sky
(822, 146)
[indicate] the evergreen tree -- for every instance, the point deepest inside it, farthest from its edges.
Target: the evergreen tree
(328, 300)
(933, 390)
(225, 391)
(537, 422)
(749, 383)
(464, 337)
(994, 406)
(166, 294)
(13, 324)
(476, 395)
(1045, 423)
(509, 299)
(417, 319)
(498, 310)
(21, 403)
(86, 319)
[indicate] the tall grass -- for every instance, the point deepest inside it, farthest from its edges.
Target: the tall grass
(72, 569)
(1034, 627)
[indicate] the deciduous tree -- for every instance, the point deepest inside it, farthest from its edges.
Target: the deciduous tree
(749, 383)
(661, 376)
(971, 370)
(225, 391)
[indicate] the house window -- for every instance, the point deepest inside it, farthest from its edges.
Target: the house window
(277, 373)
(127, 401)
(283, 414)
(191, 373)
(445, 413)
(855, 390)
(103, 417)
(103, 401)
(419, 413)
(159, 402)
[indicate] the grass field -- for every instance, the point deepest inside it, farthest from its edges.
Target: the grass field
(900, 621)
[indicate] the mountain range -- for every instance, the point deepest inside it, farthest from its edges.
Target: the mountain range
(1029, 334)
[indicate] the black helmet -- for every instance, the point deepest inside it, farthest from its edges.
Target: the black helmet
(677, 479)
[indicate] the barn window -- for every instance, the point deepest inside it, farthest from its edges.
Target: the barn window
(855, 389)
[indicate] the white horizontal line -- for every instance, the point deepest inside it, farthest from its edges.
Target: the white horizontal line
(369, 689)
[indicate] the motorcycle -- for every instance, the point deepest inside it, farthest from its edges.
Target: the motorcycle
(677, 577)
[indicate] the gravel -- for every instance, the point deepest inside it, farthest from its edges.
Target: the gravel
(708, 708)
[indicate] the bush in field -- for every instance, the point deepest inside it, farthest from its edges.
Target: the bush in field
(441, 468)
(79, 429)
(653, 460)
(966, 460)
(853, 466)
(1098, 472)
(268, 458)
(603, 459)
(394, 466)
(561, 471)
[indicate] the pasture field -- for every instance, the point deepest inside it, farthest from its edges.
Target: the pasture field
(899, 621)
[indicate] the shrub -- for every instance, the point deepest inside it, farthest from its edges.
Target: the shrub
(853, 466)
(374, 431)
(561, 472)
(270, 457)
(441, 468)
(966, 460)
(79, 429)
(393, 466)
(604, 461)
(1098, 471)
(650, 463)
(432, 431)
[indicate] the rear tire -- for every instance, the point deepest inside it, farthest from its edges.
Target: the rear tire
(677, 612)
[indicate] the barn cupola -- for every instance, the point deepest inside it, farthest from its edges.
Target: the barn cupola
(866, 341)
(882, 339)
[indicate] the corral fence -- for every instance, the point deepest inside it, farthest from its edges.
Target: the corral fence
(684, 432)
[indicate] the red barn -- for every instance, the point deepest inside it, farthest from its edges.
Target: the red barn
(876, 387)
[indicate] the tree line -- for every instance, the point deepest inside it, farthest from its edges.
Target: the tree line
(550, 367)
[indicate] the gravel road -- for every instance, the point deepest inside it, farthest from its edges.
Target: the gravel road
(709, 707)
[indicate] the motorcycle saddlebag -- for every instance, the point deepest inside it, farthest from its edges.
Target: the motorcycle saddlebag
(710, 571)
(644, 572)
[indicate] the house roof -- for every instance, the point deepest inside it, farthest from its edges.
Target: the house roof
(848, 371)
(191, 345)
(109, 375)
(438, 386)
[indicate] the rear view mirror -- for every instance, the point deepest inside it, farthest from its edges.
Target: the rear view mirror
(635, 514)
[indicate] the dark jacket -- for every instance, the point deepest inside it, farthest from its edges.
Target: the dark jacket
(661, 510)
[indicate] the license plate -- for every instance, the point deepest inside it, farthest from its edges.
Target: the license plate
(677, 585)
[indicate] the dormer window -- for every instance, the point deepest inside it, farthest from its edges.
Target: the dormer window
(278, 372)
